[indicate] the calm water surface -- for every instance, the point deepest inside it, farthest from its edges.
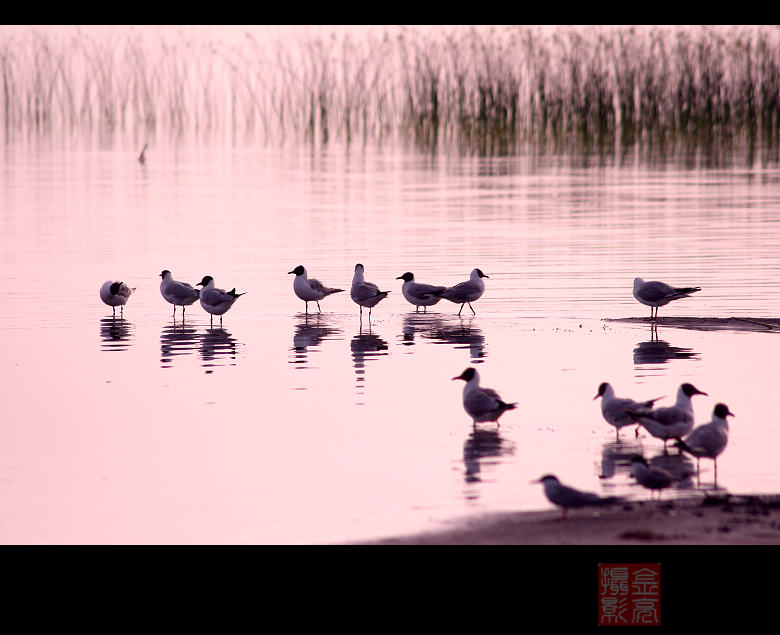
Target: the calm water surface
(278, 427)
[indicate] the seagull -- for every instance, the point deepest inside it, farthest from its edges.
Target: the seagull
(481, 404)
(614, 408)
(216, 301)
(709, 440)
(365, 294)
(653, 478)
(672, 422)
(655, 293)
(177, 293)
(115, 294)
(467, 292)
(565, 497)
(309, 289)
(419, 294)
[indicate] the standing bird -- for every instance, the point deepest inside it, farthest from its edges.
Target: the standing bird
(613, 409)
(177, 293)
(216, 301)
(655, 294)
(419, 294)
(481, 404)
(709, 440)
(309, 289)
(365, 294)
(115, 294)
(467, 292)
(653, 478)
(672, 422)
(568, 497)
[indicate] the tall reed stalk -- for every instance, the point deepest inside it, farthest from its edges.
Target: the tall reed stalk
(490, 88)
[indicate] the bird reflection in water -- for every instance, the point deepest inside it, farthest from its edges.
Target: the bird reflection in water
(310, 331)
(365, 346)
(215, 344)
(176, 340)
(456, 331)
(655, 351)
(483, 448)
(616, 457)
(115, 333)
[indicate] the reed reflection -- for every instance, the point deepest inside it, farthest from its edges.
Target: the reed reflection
(459, 332)
(310, 331)
(365, 346)
(176, 339)
(116, 333)
(657, 351)
(483, 448)
(216, 344)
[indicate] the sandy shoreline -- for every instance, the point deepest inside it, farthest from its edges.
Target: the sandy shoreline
(723, 520)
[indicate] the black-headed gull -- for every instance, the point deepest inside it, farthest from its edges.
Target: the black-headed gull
(481, 404)
(653, 477)
(418, 293)
(309, 289)
(654, 293)
(216, 301)
(613, 409)
(709, 439)
(365, 294)
(671, 422)
(467, 292)
(567, 497)
(177, 293)
(115, 293)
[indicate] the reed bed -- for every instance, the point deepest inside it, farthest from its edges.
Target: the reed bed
(490, 88)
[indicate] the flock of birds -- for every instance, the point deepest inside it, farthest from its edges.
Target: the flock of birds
(485, 404)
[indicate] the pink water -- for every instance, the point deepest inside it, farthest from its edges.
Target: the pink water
(282, 428)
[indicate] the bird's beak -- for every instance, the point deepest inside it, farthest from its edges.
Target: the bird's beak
(400, 278)
(290, 272)
(536, 480)
(699, 392)
(596, 397)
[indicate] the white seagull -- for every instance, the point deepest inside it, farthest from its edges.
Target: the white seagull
(115, 294)
(467, 292)
(567, 497)
(309, 289)
(654, 293)
(365, 294)
(672, 422)
(613, 409)
(216, 301)
(481, 404)
(177, 293)
(709, 440)
(419, 294)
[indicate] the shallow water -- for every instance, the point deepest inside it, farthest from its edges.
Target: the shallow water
(282, 427)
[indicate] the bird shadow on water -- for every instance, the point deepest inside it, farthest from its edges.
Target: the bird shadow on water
(365, 346)
(310, 331)
(116, 333)
(483, 448)
(459, 332)
(176, 339)
(658, 351)
(217, 344)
